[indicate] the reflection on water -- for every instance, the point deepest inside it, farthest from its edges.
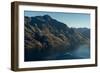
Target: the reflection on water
(82, 52)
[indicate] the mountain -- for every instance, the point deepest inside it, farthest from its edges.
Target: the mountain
(45, 36)
(84, 31)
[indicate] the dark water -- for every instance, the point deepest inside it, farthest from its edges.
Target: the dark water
(82, 52)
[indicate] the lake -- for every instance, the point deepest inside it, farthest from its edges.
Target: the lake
(82, 52)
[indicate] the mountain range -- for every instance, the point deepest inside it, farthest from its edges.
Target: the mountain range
(45, 36)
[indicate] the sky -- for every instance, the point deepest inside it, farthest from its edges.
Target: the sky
(75, 20)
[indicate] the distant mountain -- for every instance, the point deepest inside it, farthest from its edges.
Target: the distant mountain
(84, 31)
(46, 36)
